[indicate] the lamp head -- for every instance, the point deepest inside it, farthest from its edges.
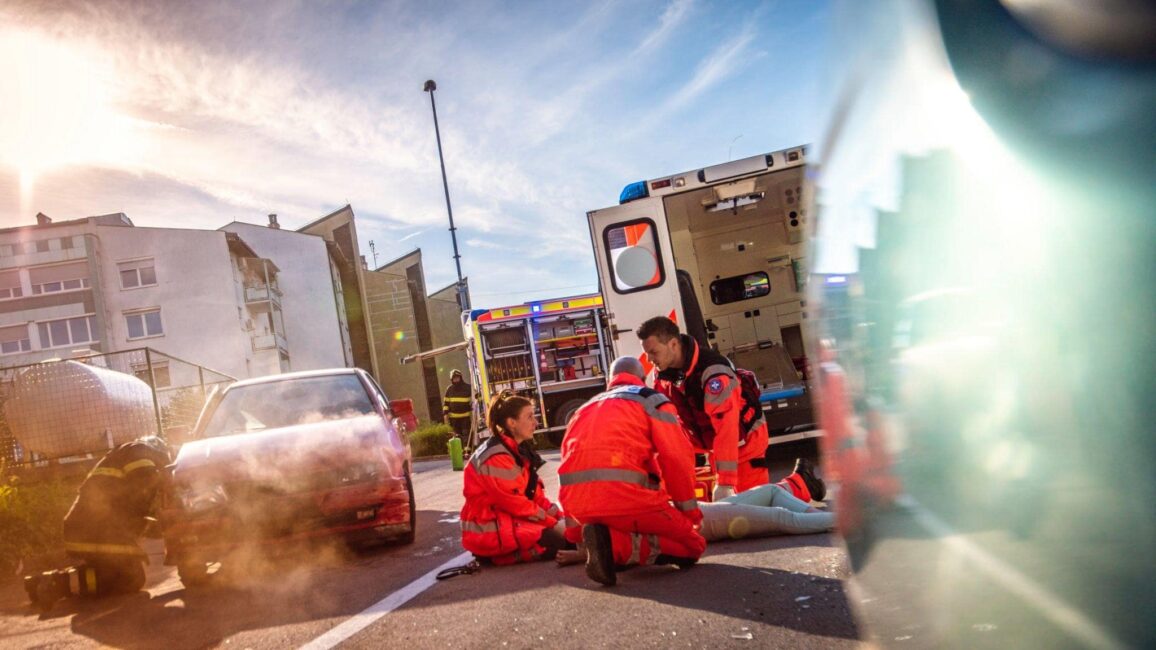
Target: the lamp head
(430, 86)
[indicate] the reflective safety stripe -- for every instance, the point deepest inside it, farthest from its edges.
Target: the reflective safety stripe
(106, 471)
(458, 416)
(138, 464)
(618, 475)
(635, 548)
(507, 473)
(654, 550)
(715, 370)
(686, 506)
(90, 579)
(484, 454)
(475, 527)
(457, 400)
(727, 465)
(649, 404)
(108, 549)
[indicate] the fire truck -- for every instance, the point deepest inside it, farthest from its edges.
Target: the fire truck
(553, 352)
(721, 251)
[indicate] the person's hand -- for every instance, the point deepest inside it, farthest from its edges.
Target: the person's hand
(722, 491)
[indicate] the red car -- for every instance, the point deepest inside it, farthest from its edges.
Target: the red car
(288, 457)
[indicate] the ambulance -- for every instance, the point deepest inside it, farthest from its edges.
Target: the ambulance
(721, 251)
(553, 352)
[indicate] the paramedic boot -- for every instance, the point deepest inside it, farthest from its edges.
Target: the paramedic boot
(599, 554)
(806, 470)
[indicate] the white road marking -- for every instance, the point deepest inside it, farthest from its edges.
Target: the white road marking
(366, 617)
(1049, 605)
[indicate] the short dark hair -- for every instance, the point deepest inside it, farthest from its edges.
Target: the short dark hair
(659, 326)
(505, 404)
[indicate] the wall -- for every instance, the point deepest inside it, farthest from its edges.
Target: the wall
(308, 304)
(446, 326)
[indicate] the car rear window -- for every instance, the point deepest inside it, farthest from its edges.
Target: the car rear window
(288, 402)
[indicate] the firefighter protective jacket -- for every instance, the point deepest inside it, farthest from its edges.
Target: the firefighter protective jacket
(709, 398)
(618, 447)
(498, 518)
(456, 403)
(109, 512)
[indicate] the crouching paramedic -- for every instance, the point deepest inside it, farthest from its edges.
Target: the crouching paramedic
(101, 529)
(507, 517)
(726, 419)
(627, 475)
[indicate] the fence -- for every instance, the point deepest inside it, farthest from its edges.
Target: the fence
(69, 411)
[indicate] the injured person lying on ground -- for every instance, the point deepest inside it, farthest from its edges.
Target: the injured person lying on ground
(764, 511)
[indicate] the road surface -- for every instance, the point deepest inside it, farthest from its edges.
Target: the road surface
(775, 592)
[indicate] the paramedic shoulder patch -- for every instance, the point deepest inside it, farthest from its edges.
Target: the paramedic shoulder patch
(714, 386)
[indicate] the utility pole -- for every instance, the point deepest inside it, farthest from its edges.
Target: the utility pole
(463, 295)
(373, 251)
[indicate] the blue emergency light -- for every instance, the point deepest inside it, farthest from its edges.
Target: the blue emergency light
(536, 308)
(633, 191)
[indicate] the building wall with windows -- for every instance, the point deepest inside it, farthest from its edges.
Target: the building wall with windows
(310, 283)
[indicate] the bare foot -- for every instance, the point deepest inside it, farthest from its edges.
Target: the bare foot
(566, 558)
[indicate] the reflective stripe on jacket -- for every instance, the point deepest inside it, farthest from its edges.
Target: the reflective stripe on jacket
(498, 518)
(618, 447)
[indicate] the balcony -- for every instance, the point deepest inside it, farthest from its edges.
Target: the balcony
(269, 341)
(256, 294)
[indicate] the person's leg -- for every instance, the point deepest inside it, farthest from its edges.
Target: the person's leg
(641, 538)
(723, 520)
(769, 496)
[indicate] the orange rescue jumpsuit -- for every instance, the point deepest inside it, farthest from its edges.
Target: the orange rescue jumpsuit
(625, 459)
(503, 518)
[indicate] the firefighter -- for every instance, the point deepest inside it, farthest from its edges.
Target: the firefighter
(507, 517)
(708, 395)
(456, 406)
(110, 513)
(627, 475)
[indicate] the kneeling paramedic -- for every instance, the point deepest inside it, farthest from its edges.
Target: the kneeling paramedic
(625, 459)
(722, 417)
(101, 529)
(507, 517)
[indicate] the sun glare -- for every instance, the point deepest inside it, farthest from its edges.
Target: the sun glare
(57, 109)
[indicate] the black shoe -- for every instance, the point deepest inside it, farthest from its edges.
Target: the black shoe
(50, 589)
(805, 469)
(30, 584)
(599, 554)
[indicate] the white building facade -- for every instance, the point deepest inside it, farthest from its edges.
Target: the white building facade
(101, 284)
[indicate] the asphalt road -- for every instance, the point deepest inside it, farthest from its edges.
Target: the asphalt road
(774, 592)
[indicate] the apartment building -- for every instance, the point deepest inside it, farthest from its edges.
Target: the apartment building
(102, 284)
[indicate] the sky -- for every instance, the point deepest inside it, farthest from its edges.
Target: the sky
(196, 114)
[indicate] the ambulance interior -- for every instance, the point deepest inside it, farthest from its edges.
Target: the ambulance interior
(740, 246)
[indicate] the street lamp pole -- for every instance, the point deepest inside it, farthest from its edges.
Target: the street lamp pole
(463, 295)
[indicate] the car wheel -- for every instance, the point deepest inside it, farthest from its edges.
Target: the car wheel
(193, 573)
(409, 537)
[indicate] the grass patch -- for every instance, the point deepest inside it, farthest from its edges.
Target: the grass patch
(430, 440)
(30, 523)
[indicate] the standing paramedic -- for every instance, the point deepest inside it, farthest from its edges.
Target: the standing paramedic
(627, 475)
(708, 394)
(507, 517)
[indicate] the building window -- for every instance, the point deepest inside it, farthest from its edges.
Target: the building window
(160, 372)
(58, 277)
(67, 331)
(42, 246)
(65, 243)
(143, 324)
(14, 339)
(138, 273)
(10, 285)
